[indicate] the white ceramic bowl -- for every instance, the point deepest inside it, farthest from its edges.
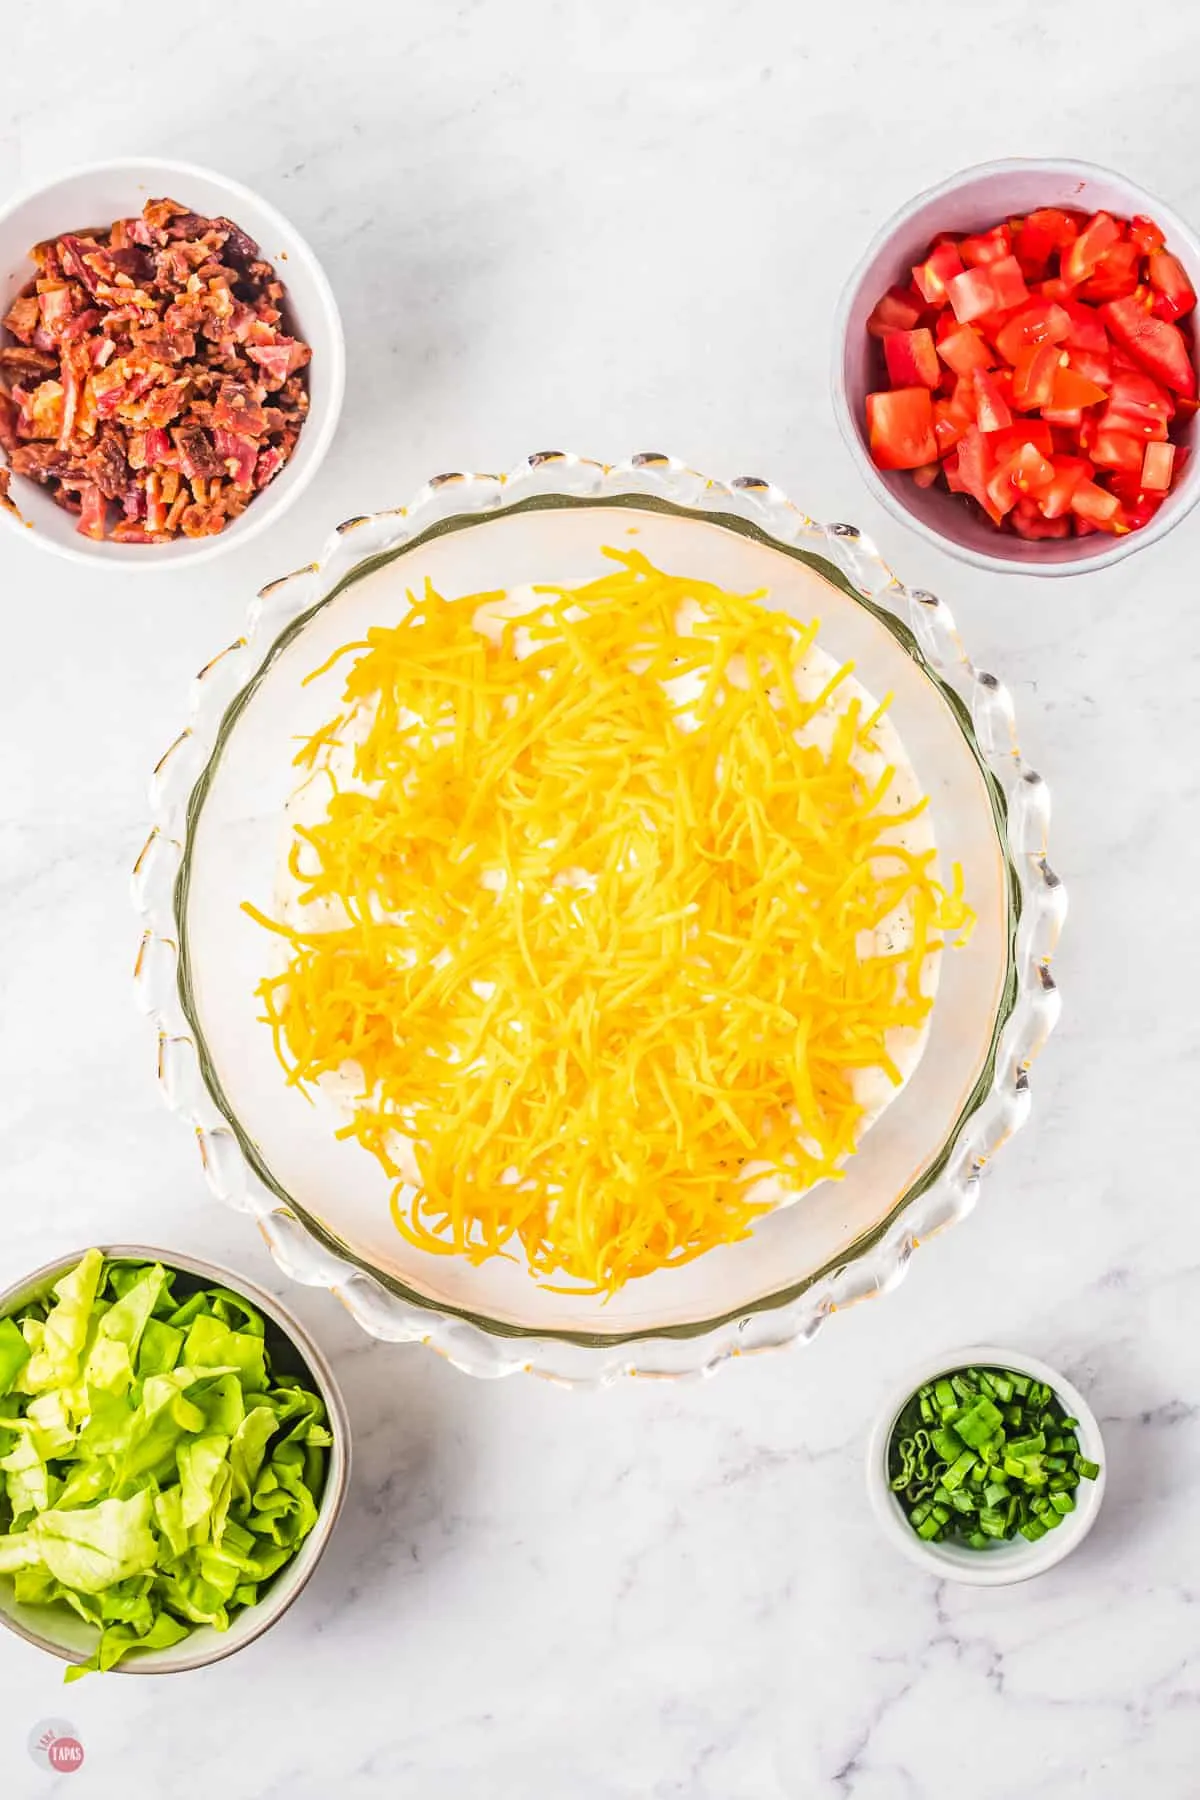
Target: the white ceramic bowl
(56, 1629)
(1004, 1563)
(92, 197)
(970, 201)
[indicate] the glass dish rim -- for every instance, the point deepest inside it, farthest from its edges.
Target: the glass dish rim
(750, 508)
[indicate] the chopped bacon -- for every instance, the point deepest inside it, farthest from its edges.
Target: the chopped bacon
(269, 464)
(137, 369)
(77, 256)
(239, 456)
(71, 382)
(17, 362)
(198, 457)
(92, 513)
(107, 465)
(81, 325)
(9, 413)
(158, 213)
(237, 409)
(42, 410)
(132, 260)
(147, 448)
(22, 317)
(40, 462)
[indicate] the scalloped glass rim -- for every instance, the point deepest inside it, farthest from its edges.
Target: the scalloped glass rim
(994, 1108)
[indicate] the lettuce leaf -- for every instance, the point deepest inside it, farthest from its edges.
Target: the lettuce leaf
(14, 1354)
(155, 1472)
(64, 1335)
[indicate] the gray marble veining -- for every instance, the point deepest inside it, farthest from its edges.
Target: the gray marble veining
(618, 228)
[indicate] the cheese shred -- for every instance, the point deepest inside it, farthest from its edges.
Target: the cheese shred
(588, 921)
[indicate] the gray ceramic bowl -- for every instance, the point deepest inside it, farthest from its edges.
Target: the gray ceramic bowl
(57, 1629)
(970, 201)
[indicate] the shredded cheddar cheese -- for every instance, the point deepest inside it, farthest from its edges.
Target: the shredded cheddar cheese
(595, 920)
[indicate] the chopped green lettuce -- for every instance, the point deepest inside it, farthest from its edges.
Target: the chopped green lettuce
(155, 1471)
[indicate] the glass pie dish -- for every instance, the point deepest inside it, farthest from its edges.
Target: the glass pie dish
(218, 796)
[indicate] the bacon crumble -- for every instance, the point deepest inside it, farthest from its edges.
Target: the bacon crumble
(151, 387)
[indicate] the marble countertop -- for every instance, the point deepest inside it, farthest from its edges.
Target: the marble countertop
(609, 229)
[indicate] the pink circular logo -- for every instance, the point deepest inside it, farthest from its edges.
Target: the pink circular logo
(66, 1754)
(54, 1744)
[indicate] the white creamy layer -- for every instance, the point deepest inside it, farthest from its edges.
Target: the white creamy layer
(873, 1089)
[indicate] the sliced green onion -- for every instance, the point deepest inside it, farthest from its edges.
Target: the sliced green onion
(981, 1455)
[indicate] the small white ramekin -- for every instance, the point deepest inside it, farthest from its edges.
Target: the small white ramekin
(971, 201)
(92, 198)
(57, 1629)
(1003, 1563)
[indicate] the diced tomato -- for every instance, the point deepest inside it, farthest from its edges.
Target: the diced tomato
(964, 396)
(1117, 450)
(1139, 395)
(1157, 465)
(1008, 283)
(974, 469)
(992, 323)
(1093, 365)
(911, 359)
(1142, 511)
(1157, 344)
(1022, 431)
(1001, 492)
(1093, 503)
(1030, 471)
(963, 350)
(949, 424)
(971, 294)
(1169, 279)
(900, 428)
(991, 403)
(1115, 275)
(1028, 521)
(899, 310)
(1069, 471)
(1138, 505)
(1051, 410)
(1026, 473)
(1080, 257)
(1034, 375)
(1087, 331)
(1040, 235)
(939, 267)
(1072, 390)
(986, 247)
(1041, 322)
(1137, 404)
(1145, 234)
